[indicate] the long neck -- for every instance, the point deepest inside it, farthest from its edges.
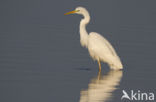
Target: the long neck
(83, 32)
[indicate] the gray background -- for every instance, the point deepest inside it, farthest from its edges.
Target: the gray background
(41, 59)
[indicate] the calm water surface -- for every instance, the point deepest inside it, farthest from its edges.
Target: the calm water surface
(51, 68)
(41, 59)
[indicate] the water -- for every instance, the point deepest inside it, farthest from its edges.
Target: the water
(41, 59)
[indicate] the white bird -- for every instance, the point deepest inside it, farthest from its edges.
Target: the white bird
(99, 48)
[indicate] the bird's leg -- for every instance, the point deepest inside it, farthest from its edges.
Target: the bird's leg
(99, 65)
(99, 75)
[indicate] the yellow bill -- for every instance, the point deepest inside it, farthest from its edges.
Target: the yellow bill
(71, 12)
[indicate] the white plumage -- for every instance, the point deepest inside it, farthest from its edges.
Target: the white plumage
(99, 48)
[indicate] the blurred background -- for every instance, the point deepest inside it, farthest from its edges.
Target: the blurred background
(41, 58)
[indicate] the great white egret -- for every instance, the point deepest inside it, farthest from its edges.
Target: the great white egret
(99, 48)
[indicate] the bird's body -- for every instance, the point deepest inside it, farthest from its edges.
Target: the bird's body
(99, 48)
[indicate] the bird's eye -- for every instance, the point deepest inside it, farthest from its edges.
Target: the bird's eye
(78, 10)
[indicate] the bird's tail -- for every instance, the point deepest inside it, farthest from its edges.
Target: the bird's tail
(116, 65)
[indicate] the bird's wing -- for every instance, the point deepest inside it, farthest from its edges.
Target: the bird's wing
(100, 48)
(102, 43)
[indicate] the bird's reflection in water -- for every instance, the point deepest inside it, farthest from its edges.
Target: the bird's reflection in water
(100, 88)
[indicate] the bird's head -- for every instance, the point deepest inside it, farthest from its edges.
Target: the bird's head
(78, 10)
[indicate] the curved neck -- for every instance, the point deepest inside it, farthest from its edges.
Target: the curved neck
(83, 31)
